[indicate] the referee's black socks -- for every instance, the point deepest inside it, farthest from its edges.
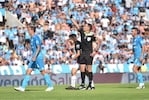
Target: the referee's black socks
(83, 78)
(90, 76)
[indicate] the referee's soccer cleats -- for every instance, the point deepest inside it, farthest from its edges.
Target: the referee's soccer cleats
(82, 87)
(93, 88)
(90, 88)
(19, 89)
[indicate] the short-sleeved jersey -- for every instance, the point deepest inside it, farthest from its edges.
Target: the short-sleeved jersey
(35, 41)
(137, 46)
(77, 48)
(86, 41)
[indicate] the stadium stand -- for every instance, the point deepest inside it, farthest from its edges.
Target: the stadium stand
(112, 21)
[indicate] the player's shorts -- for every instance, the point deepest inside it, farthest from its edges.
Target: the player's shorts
(137, 62)
(85, 58)
(38, 64)
(76, 66)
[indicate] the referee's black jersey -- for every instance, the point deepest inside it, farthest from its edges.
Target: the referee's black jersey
(86, 41)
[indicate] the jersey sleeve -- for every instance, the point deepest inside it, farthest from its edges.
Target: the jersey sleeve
(78, 46)
(94, 38)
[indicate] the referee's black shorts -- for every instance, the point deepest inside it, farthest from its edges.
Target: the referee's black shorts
(85, 58)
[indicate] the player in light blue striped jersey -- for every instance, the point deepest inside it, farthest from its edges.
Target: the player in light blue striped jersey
(37, 61)
(138, 52)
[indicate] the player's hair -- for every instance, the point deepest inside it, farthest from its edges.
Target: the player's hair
(135, 28)
(72, 36)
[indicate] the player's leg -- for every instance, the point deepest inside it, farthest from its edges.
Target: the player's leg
(90, 76)
(40, 64)
(82, 70)
(48, 80)
(26, 78)
(89, 60)
(136, 69)
(92, 84)
(73, 79)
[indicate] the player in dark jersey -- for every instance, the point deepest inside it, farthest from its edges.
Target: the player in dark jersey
(86, 57)
(76, 56)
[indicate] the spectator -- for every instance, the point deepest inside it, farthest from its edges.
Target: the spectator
(52, 24)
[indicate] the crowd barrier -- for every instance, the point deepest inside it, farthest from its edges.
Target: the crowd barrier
(113, 73)
(61, 79)
(58, 69)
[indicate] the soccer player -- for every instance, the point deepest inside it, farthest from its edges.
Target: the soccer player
(74, 70)
(138, 52)
(37, 61)
(86, 57)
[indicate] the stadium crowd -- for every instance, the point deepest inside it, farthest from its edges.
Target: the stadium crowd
(112, 21)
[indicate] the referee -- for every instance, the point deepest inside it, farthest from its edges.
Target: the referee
(86, 57)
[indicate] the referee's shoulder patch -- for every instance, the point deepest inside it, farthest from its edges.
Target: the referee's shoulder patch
(78, 46)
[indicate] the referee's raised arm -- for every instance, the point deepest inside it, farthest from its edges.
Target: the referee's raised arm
(74, 22)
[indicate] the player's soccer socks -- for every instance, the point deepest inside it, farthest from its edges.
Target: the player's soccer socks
(25, 81)
(92, 84)
(140, 77)
(83, 77)
(73, 81)
(48, 80)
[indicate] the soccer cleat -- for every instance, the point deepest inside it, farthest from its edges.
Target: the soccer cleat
(93, 88)
(90, 88)
(70, 88)
(82, 87)
(140, 87)
(19, 89)
(49, 89)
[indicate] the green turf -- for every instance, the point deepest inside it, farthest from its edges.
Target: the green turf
(102, 92)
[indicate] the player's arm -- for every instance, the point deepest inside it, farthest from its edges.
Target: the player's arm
(143, 49)
(78, 51)
(37, 50)
(76, 55)
(98, 41)
(128, 52)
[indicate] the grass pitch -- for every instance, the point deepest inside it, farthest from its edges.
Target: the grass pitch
(102, 92)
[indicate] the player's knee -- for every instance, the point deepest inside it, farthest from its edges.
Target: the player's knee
(73, 72)
(29, 71)
(89, 68)
(43, 72)
(135, 69)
